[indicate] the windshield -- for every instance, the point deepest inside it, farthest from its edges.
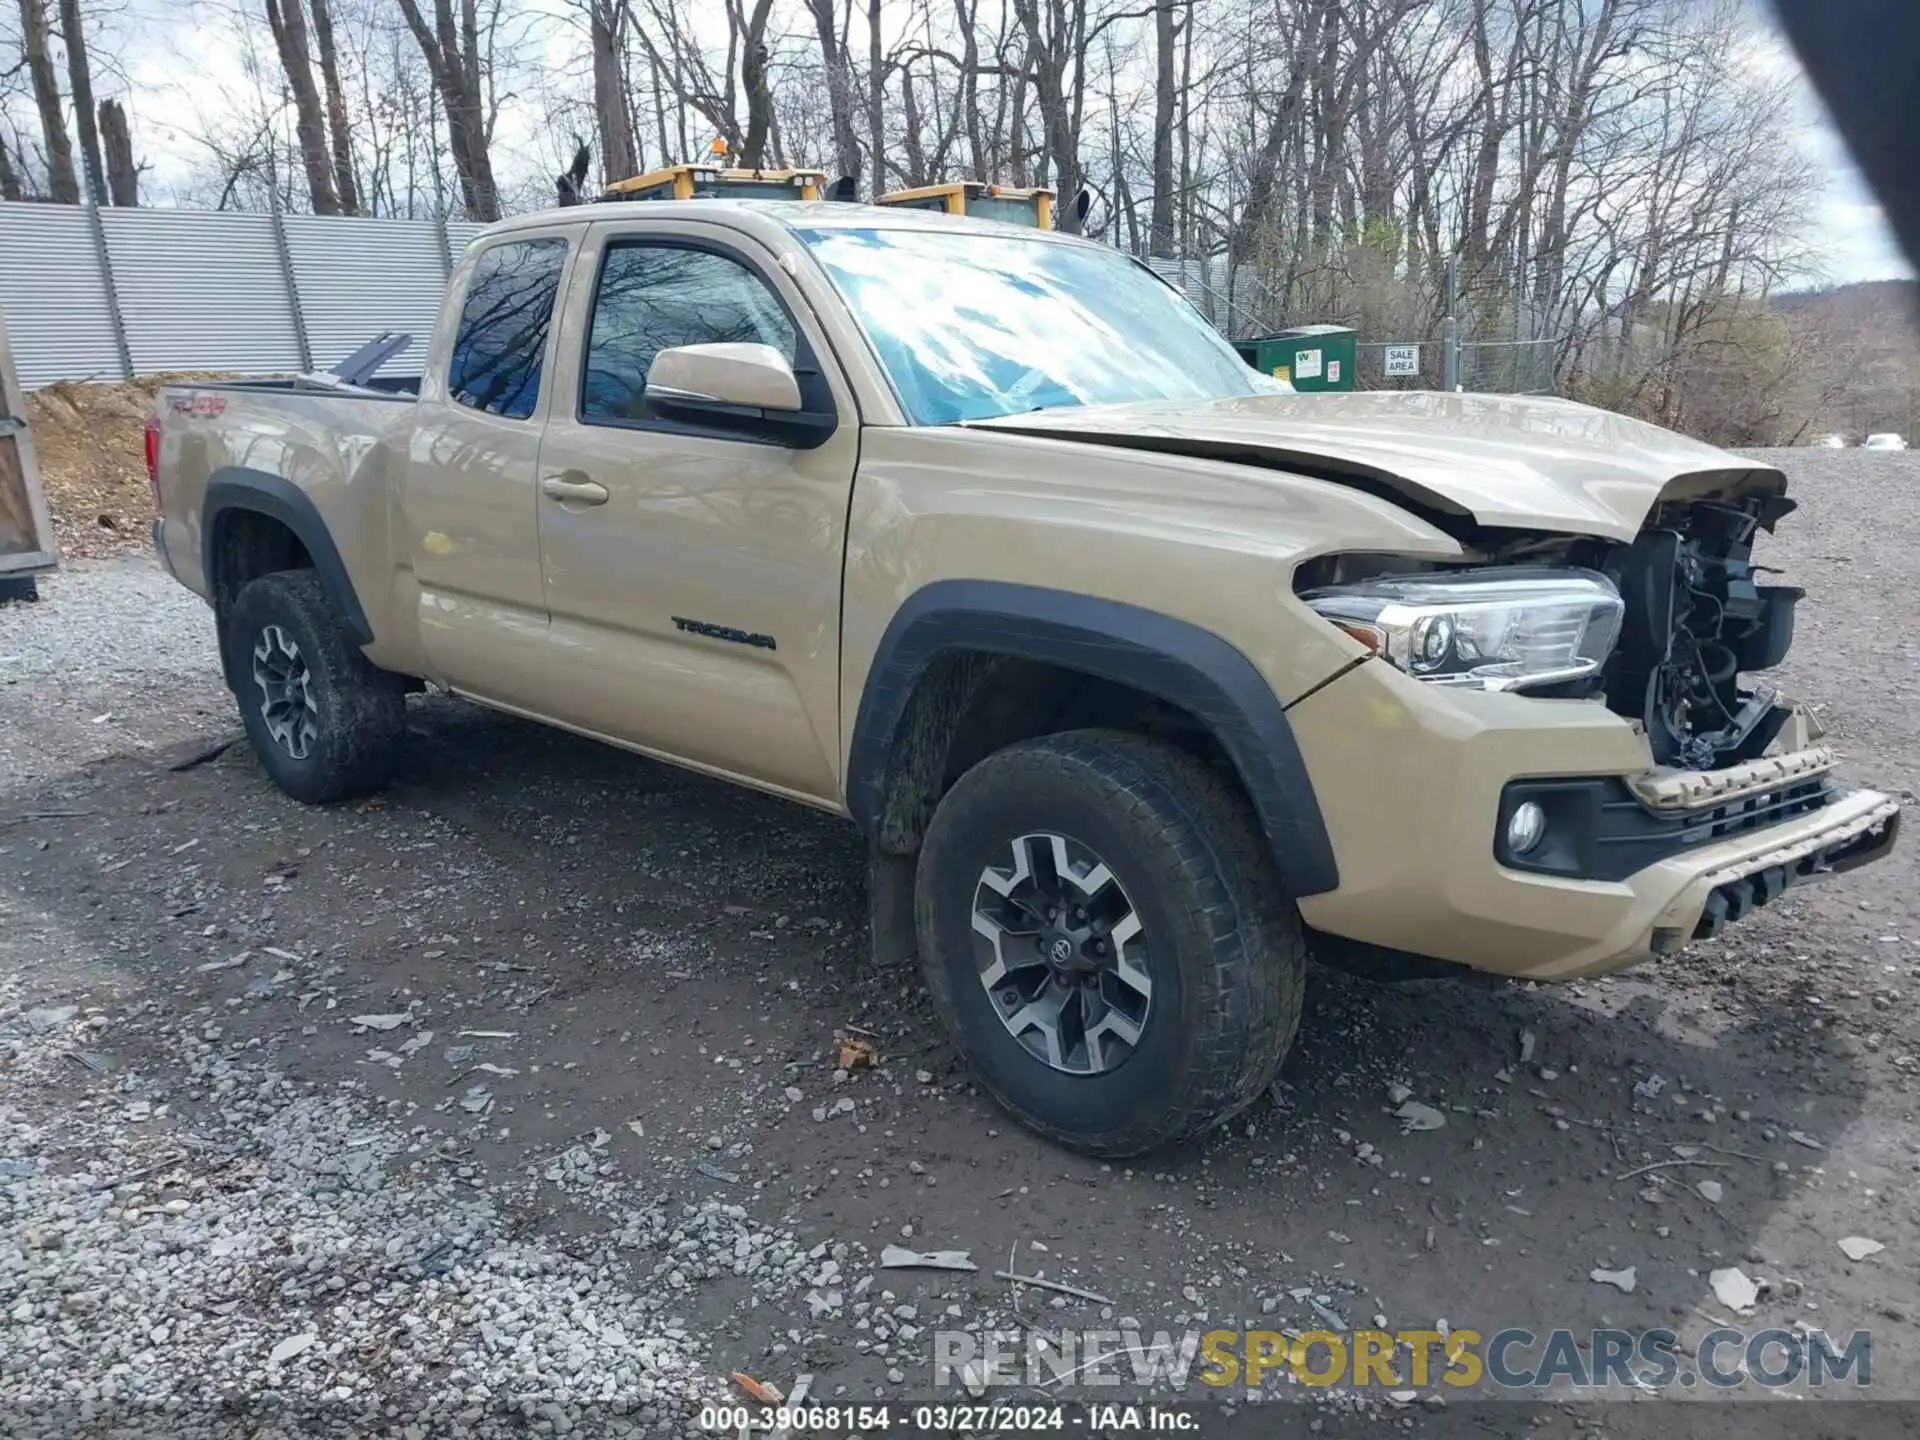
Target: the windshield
(971, 326)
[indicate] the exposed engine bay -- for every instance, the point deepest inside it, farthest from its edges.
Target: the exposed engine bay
(1695, 620)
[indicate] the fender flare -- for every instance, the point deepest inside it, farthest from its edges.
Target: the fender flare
(1171, 659)
(237, 488)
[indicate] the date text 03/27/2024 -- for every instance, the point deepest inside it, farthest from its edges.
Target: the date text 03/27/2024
(958, 1418)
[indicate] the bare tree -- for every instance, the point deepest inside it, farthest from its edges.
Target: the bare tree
(835, 62)
(1056, 46)
(401, 165)
(339, 129)
(80, 79)
(681, 68)
(1059, 37)
(749, 29)
(606, 27)
(1275, 116)
(1166, 51)
(63, 185)
(876, 99)
(453, 53)
(966, 14)
(123, 175)
(288, 21)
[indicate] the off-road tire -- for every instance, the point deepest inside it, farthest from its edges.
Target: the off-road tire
(1226, 948)
(360, 711)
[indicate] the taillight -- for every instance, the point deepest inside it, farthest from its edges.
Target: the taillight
(153, 458)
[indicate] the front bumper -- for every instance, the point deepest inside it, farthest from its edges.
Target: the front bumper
(1857, 829)
(1411, 780)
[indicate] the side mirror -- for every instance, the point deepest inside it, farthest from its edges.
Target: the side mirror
(747, 388)
(754, 376)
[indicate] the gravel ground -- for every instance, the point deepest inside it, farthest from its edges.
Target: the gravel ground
(509, 1102)
(116, 658)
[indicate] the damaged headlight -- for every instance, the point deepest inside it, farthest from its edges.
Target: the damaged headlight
(1500, 628)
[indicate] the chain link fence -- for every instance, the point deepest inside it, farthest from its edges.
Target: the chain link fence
(1510, 367)
(1495, 367)
(1242, 307)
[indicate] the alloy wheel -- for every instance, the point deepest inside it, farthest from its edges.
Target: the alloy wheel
(1062, 955)
(286, 692)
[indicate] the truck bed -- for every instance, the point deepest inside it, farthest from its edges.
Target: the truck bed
(387, 387)
(327, 441)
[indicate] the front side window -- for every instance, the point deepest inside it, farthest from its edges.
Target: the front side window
(501, 345)
(654, 297)
(972, 325)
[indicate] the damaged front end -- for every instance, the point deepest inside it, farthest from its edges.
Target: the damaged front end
(1695, 622)
(1668, 629)
(1678, 794)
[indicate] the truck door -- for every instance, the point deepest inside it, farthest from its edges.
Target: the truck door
(469, 493)
(692, 576)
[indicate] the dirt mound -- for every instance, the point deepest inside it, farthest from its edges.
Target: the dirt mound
(90, 442)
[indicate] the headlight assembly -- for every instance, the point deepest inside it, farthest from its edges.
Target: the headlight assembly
(1499, 628)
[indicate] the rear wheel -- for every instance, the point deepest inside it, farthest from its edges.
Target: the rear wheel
(1107, 941)
(326, 723)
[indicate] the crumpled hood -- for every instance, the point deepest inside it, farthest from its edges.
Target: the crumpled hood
(1511, 461)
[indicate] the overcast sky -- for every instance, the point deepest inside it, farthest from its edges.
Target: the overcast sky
(181, 69)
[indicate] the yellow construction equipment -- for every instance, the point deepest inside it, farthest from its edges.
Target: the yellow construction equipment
(1033, 207)
(708, 182)
(714, 179)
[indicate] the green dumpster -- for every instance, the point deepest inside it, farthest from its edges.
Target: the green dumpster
(1309, 357)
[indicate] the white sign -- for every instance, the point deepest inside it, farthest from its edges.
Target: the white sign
(1403, 359)
(1333, 372)
(1306, 365)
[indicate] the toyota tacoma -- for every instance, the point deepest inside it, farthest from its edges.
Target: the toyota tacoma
(1145, 679)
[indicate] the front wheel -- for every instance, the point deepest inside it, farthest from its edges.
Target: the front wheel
(326, 723)
(1106, 939)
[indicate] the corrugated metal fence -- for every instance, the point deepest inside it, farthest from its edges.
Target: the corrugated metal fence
(104, 294)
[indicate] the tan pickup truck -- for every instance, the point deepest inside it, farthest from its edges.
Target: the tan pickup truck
(1145, 679)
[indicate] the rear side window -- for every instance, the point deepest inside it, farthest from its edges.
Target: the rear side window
(502, 341)
(653, 297)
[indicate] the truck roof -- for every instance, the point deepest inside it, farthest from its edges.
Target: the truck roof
(754, 215)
